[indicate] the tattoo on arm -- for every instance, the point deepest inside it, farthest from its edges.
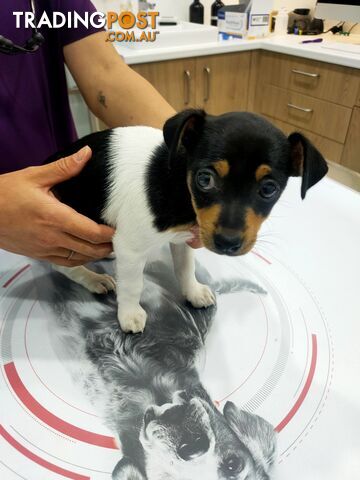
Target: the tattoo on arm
(102, 99)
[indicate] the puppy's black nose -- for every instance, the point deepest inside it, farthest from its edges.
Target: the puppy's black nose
(226, 244)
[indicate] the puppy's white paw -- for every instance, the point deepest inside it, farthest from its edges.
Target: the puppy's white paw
(99, 282)
(201, 296)
(132, 319)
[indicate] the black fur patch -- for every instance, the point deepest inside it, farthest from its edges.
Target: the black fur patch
(87, 192)
(167, 192)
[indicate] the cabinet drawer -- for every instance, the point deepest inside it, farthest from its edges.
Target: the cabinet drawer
(323, 118)
(317, 79)
(329, 149)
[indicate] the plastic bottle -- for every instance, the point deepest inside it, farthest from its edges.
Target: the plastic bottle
(281, 23)
(215, 7)
(197, 12)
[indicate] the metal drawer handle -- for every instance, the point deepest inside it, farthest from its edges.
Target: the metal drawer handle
(307, 74)
(306, 110)
(187, 76)
(207, 73)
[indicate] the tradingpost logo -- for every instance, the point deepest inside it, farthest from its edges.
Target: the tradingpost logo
(134, 28)
(129, 27)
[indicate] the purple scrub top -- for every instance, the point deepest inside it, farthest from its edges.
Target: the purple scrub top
(35, 117)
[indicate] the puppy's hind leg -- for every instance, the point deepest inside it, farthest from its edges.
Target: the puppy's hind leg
(196, 293)
(94, 282)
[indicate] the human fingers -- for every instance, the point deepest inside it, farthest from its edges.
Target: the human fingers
(84, 248)
(61, 170)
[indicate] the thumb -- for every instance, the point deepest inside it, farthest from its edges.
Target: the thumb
(63, 169)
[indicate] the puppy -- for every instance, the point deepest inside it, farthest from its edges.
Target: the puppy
(222, 173)
(149, 389)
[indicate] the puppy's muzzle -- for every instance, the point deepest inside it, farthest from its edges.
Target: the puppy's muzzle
(227, 245)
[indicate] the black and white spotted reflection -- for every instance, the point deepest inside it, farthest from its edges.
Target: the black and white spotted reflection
(147, 387)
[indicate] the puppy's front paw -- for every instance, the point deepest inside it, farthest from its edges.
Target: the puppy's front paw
(99, 282)
(132, 319)
(201, 296)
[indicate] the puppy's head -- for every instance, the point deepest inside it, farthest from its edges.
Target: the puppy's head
(190, 439)
(238, 165)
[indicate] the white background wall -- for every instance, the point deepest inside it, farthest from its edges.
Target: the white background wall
(180, 8)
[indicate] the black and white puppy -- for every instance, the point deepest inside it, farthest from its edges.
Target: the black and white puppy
(223, 173)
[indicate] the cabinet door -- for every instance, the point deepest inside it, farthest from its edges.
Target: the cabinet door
(222, 82)
(351, 154)
(174, 79)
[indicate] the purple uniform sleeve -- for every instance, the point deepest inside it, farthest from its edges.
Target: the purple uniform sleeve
(70, 35)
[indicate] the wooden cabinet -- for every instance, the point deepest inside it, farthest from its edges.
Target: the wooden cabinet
(351, 153)
(324, 118)
(316, 79)
(222, 82)
(319, 99)
(315, 98)
(327, 147)
(174, 79)
(217, 83)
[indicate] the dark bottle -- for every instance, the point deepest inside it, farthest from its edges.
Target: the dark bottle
(197, 12)
(215, 7)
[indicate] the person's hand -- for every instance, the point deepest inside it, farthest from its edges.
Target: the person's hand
(34, 223)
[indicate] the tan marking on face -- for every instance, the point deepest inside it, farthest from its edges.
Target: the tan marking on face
(207, 219)
(253, 223)
(222, 167)
(262, 171)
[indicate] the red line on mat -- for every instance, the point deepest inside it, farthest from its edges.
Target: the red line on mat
(304, 391)
(19, 272)
(40, 461)
(49, 418)
(260, 256)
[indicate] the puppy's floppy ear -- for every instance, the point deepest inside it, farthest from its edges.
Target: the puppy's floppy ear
(256, 434)
(126, 470)
(184, 129)
(306, 161)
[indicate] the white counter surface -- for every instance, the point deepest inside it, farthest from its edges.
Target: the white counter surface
(290, 356)
(288, 44)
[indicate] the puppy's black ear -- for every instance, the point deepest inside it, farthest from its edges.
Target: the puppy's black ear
(255, 432)
(184, 129)
(126, 470)
(306, 161)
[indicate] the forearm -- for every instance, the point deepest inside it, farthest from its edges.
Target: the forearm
(133, 102)
(112, 90)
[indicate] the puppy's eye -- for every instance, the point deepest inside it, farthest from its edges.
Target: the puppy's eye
(205, 179)
(268, 189)
(233, 465)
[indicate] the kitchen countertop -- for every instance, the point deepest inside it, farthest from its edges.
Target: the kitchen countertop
(288, 44)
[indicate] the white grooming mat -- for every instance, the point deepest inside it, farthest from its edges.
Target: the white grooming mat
(291, 355)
